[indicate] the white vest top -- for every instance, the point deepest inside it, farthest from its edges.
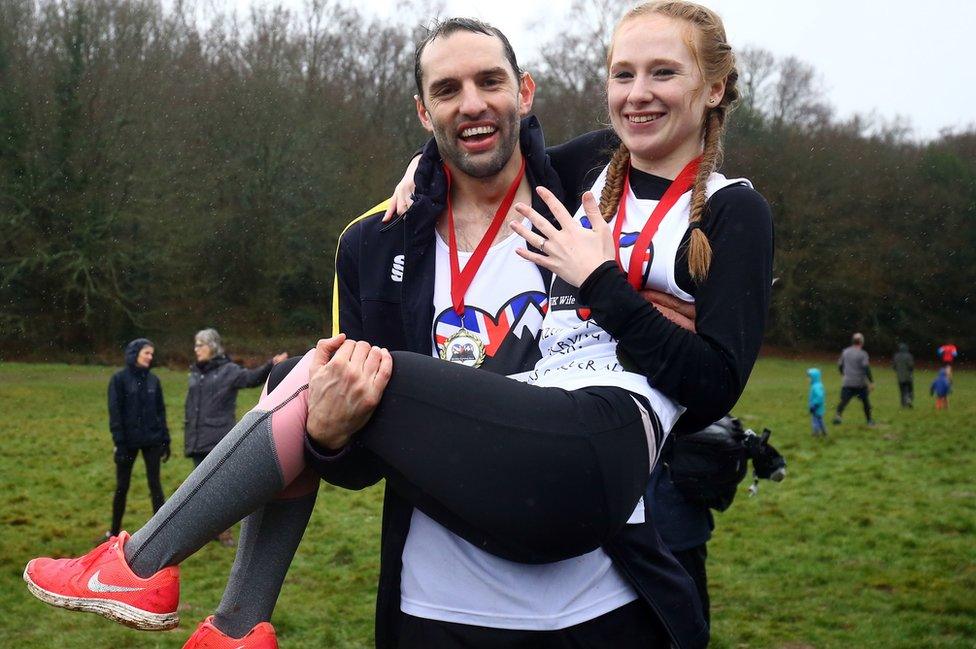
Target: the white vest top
(443, 576)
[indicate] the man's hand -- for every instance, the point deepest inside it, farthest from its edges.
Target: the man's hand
(164, 456)
(674, 309)
(346, 383)
(283, 356)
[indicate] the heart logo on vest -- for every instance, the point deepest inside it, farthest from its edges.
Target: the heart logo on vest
(521, 316)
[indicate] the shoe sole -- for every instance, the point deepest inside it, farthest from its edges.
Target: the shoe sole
(124, 614)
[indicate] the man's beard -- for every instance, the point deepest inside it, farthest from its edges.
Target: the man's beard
(480, 167)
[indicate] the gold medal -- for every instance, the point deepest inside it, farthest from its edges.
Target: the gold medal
(464, 347)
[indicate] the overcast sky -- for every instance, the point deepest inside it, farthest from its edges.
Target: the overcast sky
(884, 56)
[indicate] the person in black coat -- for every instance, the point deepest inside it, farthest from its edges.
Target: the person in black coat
(211, 398)
(137, 419)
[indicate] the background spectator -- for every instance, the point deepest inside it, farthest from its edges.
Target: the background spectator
(815, 402)
(904, 365)
(854, 366)
(941, 387)
(211, 399)
(137, 419)
(947, 354)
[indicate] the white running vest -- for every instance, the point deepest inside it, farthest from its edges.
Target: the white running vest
(576, 351)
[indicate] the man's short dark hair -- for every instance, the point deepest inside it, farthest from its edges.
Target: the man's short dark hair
(443, 29)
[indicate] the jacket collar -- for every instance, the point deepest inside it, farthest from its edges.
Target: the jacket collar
(212, 364)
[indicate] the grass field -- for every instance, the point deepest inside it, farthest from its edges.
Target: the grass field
(869, 542)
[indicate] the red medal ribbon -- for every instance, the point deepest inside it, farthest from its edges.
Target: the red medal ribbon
(678, 186)
(461, 280)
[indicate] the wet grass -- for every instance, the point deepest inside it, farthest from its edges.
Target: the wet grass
(869, 542)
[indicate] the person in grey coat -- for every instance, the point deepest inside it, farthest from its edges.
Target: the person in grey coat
(211, 399)
(904, 366)
(855, 367)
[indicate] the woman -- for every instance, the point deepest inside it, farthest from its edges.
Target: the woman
(555, 503)
(211, 399)
(137, 419)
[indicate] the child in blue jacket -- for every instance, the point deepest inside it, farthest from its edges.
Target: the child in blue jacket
(941, 387)
(815, 403)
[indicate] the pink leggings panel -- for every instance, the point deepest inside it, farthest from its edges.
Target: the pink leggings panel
(288, 404)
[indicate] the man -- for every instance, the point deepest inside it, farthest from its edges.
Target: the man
(137, 419)
(858, 382)
(395, 288)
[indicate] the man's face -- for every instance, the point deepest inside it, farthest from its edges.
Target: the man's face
(144, 359)
(473, 102)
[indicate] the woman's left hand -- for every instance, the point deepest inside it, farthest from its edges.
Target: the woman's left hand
(573, 252)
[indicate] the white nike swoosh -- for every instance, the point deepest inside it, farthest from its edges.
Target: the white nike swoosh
(96, 586)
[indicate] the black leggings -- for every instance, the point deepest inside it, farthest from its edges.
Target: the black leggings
(151, 455)
(528, 474)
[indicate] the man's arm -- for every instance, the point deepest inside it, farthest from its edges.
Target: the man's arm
(579, 162)
(351, 467)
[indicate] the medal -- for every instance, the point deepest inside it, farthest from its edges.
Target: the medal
(464, 346)
(678, 186)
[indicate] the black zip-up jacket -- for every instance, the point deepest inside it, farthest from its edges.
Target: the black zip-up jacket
(136, 412)
(211, 401)
(384, 294)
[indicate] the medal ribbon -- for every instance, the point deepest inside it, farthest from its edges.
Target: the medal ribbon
(678, 186)
(461, 280)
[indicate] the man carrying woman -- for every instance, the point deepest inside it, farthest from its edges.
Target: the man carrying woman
(547, 469)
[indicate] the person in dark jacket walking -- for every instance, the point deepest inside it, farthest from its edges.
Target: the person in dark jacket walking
(904, 366)
(137, 419)
(211, 398)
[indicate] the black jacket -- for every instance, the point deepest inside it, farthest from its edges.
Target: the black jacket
(211, 401)
(136, 412)
(384, 295)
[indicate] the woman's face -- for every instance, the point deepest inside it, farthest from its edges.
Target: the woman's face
(203, 351)
(657, 97)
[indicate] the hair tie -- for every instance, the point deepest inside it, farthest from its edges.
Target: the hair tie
(695, 225)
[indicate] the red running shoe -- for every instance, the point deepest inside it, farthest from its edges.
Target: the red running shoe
(102, 582)
(207, 636)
